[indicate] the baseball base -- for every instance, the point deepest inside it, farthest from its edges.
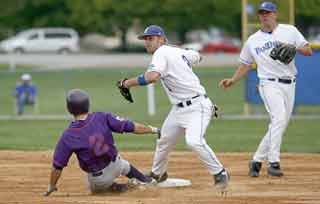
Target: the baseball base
(174, 182)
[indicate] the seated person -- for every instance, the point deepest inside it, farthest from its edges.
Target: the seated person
(25, 93)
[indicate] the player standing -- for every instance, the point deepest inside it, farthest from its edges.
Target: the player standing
(89, 136)
(277, 82)
(191, 109)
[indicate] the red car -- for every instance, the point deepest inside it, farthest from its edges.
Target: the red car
(223, 46)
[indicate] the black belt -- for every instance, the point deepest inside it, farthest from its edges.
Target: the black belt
(188, 102)
(96, 174)
(284, 81)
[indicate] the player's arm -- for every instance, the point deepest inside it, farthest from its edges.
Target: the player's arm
(241, 72)
(143, 79)
(54, 177)
(120, 125)
(143, 129)
(305, 50)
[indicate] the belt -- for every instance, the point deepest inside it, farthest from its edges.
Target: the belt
(284, 81)
(189, 102)
(96, 174)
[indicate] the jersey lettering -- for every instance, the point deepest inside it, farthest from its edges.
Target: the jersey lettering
(268, 45)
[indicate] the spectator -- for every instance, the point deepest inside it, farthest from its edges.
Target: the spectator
(25, 93)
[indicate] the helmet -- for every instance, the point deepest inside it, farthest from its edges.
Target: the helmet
(152, 30)
(78, 102)
(26, 77)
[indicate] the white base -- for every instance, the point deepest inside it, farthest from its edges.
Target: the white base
(174, 182)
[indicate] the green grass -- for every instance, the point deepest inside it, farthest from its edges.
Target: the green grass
(100, 83)
(222, 135)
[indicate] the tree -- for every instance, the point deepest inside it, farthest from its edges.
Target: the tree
(182, 16)
(109, 16)
(307, 14)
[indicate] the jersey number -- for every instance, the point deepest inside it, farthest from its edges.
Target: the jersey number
(98, 146)
(186, 60)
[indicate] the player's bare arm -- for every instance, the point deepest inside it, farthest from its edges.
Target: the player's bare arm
(305, 50)
(241, 72)
(142, 129)
(54, 177)
(143, 79)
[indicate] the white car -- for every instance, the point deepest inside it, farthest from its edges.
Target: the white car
(59, 40)
(194, 46)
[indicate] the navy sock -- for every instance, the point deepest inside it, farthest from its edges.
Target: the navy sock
(135, 173)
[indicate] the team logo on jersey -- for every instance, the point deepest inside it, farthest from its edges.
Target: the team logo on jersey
(267, 46)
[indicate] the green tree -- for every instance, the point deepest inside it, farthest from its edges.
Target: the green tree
(307, 14)
(181, 16)
(109, 16)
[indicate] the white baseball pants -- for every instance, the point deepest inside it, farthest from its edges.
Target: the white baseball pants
(279, 101)
(191, 121)
(102, 180)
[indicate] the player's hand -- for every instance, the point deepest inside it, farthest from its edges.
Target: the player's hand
(226, 83)
(155, 130)
(124, 90)
(122, 83)
(50, 190)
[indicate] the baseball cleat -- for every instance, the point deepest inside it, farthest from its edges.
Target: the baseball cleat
(274, 169)
(158, 178)
(221, 181)
(136, 182)
(119, 187)
(254, 168)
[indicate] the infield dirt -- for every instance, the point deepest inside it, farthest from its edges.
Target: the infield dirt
(24, 177)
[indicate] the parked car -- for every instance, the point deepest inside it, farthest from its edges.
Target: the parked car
(215, 47)
(227, 45)
(59, 40)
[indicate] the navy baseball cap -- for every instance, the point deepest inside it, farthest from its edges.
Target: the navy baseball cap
(152, 30)
(268, 6)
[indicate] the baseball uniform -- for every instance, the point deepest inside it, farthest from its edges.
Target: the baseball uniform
(92, 142)
(191, 108)
(277, 84)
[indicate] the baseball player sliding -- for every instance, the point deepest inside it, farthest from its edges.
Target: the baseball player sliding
(191, 108)
(273, 48)
(89, 136)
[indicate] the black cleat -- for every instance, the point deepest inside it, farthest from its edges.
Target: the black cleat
(274, 169)
(158, 178)
(221, 180)
(254, 168)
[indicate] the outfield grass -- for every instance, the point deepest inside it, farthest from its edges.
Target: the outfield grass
(100, 83)
(222, 135)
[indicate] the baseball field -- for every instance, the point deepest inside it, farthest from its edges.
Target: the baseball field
(27, 144)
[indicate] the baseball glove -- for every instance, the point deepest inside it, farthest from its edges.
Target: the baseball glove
(283, 52)
(125, 92)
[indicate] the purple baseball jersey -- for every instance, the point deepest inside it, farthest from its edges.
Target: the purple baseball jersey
(91, 140)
